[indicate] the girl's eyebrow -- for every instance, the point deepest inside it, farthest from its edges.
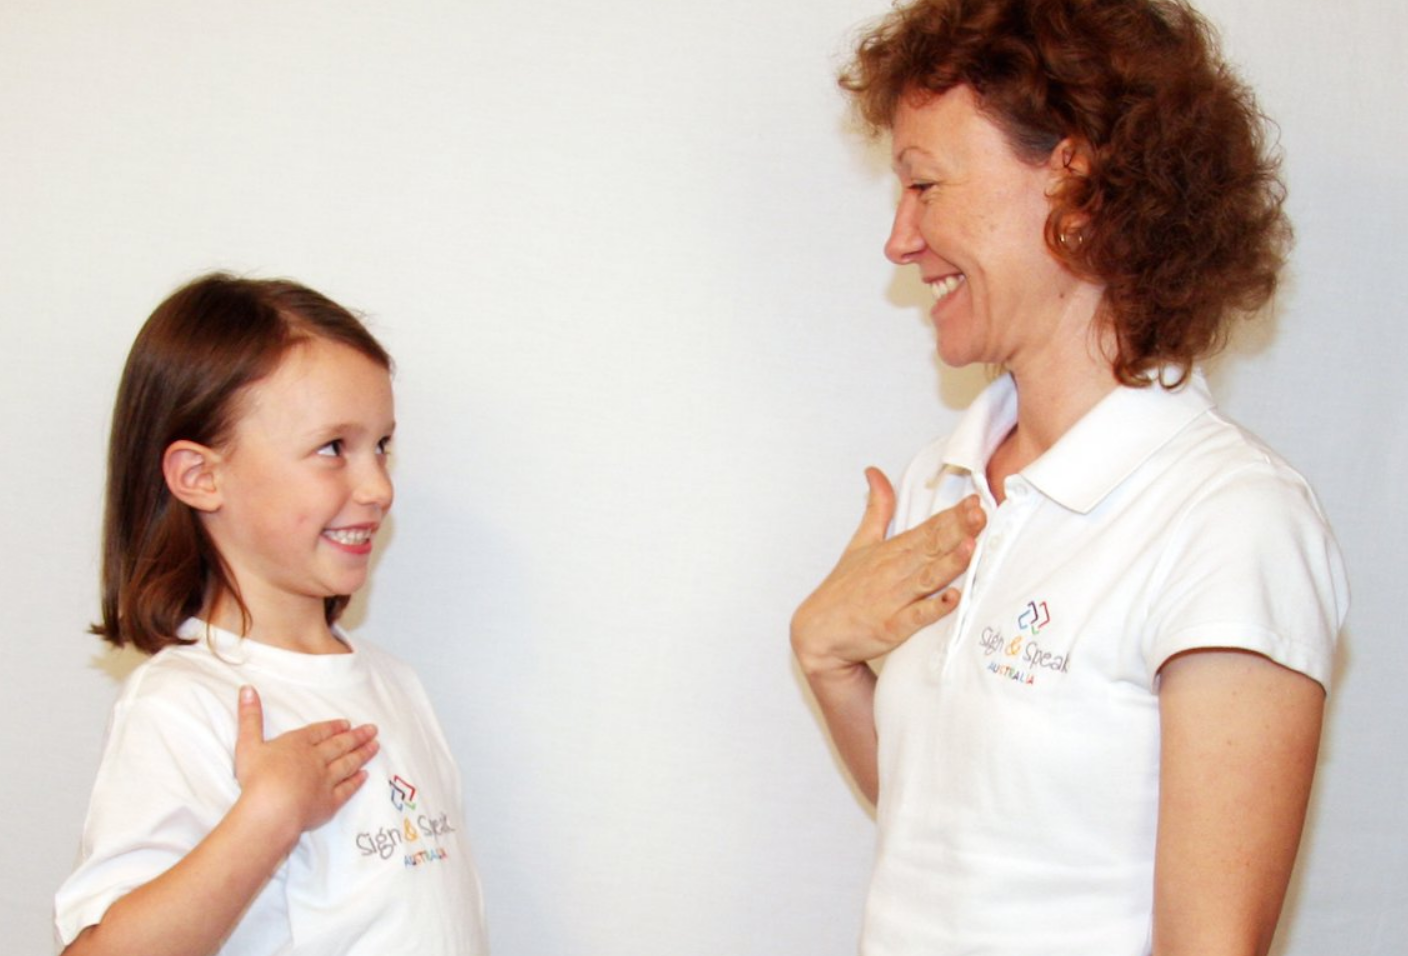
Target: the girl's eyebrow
(347, 428)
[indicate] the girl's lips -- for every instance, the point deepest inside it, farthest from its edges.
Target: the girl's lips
(358, 540)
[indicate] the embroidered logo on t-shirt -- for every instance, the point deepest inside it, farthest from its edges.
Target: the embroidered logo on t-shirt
(402, 793)
(1023, 658)
(417, 836)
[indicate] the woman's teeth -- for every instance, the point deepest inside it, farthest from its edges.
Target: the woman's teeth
(942, 287)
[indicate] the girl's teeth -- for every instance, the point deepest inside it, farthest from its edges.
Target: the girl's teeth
(944, 286)
(361, 536)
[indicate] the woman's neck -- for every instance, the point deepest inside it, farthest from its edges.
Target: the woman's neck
(1053, 393)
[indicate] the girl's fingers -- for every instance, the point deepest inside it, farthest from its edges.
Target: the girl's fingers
(323, 731)
(344, 790)
(250, 718)
(345, 742)
(349, 764)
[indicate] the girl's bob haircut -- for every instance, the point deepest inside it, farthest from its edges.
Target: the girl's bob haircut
(185, 376)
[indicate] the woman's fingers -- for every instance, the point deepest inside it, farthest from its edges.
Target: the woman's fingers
(945, 531)
(919, 615)
(884, 590)
(879, 510)
(939, 572)
(937, 551)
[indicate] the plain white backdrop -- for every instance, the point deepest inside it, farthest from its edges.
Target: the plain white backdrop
(627, 256)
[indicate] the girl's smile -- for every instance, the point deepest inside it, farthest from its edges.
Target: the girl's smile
(302, 484)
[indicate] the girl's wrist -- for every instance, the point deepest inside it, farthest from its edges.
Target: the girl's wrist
(264, 824)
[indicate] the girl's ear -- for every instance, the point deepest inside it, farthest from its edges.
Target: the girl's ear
(189, 469)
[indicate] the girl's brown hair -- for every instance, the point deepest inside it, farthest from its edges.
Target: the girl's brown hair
(189, 366)
(1180, 213)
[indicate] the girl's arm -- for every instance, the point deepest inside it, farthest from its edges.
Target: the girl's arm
(879, 594)
(1239, 740)
(290, 784)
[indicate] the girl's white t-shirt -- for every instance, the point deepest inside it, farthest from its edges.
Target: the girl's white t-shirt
(391, 872)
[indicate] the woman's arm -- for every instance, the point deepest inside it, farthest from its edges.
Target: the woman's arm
(1239, 737)
(879, 594)
(288, 785)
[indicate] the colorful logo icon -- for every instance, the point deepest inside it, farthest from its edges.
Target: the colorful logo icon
(1034, 618)
(403, 794)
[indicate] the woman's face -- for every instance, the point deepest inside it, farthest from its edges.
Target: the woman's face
(971, 217)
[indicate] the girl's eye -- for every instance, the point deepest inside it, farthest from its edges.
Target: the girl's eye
(332, 449)
(383, 447)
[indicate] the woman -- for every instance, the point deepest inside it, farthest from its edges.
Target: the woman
(1100, 741)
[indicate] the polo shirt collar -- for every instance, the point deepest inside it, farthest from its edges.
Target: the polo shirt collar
(1098, 453)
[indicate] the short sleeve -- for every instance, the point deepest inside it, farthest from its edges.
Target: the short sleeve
(165, 780)
(1252, 565)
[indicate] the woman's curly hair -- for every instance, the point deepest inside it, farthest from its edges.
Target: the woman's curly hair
(1180, 213)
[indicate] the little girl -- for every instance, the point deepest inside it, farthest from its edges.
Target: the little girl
(247, 480)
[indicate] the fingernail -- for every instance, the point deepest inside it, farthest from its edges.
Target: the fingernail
(246, 694)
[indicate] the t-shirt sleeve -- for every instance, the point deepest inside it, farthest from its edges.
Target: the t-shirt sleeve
(165, 780)
(1251, 565)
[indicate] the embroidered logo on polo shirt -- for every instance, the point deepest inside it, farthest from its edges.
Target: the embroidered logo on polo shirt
(1023, 658)
(1034, 618)
(417, 836)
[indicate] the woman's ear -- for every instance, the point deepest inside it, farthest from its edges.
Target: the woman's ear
(189, 469)
(1071, 157)
(1068, 171)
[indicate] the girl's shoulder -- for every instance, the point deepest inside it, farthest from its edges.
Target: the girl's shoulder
(376, 657)
(182, 677)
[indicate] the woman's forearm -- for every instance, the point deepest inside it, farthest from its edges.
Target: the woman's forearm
(846, 696)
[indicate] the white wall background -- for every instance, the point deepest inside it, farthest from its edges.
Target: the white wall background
(628, 258)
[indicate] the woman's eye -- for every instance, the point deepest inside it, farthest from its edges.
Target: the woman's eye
(921, 188)
(332, 449)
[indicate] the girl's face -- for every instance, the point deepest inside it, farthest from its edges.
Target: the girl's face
(302, 484)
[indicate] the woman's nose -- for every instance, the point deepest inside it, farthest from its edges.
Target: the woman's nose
(905, 240)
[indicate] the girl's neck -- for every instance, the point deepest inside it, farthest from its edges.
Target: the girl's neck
(302, 628)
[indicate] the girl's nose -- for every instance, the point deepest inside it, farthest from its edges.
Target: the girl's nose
(374, 486)
(905, 240)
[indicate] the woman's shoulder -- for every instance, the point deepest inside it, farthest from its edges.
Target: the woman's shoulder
(1218, 457)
